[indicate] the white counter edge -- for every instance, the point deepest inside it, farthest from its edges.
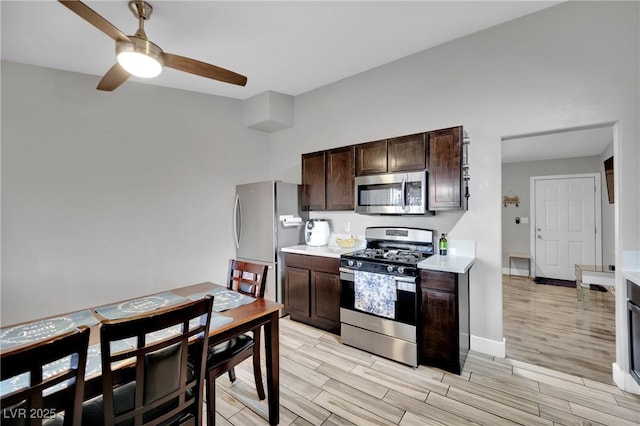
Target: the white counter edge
(325, 251)
(633, 276)
(455, 264)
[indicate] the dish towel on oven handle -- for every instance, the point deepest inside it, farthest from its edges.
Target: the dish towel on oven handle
(375, 293)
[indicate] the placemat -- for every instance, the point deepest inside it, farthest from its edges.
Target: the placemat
(93, 367)
(43, 329)
(224, 299)
(140, 306)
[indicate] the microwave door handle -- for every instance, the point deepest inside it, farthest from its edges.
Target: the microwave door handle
(403, 190)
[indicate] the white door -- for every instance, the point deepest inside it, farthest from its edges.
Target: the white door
(565, 225)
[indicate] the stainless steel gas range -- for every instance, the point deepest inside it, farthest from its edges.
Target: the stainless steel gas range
(379, 303)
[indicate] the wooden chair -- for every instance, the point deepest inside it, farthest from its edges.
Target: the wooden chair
(250, 279)
(30, 405)
(155, 384)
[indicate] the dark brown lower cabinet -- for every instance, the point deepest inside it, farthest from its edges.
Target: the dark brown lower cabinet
(312, 290)
(444, 340)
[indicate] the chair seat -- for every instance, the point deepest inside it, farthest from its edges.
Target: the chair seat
(223, 351)
(93, 410)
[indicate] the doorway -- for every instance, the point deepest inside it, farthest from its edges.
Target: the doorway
(545, 325)
(566, 224)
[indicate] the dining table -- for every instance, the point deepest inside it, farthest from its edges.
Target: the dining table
(234, 314)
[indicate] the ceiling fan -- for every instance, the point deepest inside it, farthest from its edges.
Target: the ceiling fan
(136, 55)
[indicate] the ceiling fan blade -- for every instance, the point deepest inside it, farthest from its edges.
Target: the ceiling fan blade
(113, 78)
(203, 69)
(89, 15)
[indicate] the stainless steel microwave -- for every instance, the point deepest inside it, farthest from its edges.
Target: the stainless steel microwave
(392, 193)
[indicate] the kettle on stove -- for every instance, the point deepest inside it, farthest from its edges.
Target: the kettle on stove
(316, 232)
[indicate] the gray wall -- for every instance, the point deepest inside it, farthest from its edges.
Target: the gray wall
(572, 65)
(106, 196)
(515, 179)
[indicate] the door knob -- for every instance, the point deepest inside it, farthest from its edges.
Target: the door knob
(539, 237)
(539, 229)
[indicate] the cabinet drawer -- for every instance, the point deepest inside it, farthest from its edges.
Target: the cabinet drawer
(314, 263)
(444, 281)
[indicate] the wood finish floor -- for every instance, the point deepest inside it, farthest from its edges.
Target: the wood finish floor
(323, 382)
(547, 326)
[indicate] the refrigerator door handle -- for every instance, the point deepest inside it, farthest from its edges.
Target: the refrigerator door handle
(237, 224)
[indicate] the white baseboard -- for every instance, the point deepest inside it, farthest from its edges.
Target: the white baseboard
(517, 272)
(489, 347)
(624, 380)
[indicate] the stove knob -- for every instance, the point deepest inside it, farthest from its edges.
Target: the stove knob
(359, 264)
(401, 269)
(390, 268)
(350, 262)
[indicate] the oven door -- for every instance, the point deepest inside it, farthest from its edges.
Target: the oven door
(406, 304)
(392, 193)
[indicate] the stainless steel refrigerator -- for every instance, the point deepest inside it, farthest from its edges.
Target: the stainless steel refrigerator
(259, 232)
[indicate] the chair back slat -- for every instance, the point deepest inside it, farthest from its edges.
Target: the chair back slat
(164, 383)
(67, 385)
(248, 278)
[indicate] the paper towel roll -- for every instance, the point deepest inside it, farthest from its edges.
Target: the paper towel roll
(291, 220)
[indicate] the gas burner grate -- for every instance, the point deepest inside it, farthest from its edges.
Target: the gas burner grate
(403, 256)
(371, 253)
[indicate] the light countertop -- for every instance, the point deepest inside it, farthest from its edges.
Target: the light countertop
(631, 261)
(325, 251)
(633, 276)
(450, 263)
(461, 255)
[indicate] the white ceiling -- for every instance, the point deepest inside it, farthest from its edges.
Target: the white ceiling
(289, 47)
(585, 142)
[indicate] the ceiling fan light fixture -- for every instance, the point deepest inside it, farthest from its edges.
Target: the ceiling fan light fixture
(140, 58)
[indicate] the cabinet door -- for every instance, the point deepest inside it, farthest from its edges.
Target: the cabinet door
(371, 158)
(340, 176)
(407, 153)
(325, 300)
(313, 181)
(445, 169)
(297, 292)
(439, 328)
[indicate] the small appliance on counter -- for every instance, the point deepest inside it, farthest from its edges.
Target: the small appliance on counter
(317, 232)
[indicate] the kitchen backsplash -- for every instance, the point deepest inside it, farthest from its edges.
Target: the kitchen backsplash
(341, 222)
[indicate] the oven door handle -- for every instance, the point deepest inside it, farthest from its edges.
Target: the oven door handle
(403, 282)
(346, 275)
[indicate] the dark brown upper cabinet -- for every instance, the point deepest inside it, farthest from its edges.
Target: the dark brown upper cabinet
(328, 179)
(407, 153)
(340, 178)
(445, 169)
(313, 181)
(399, 154)
(371, 158)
